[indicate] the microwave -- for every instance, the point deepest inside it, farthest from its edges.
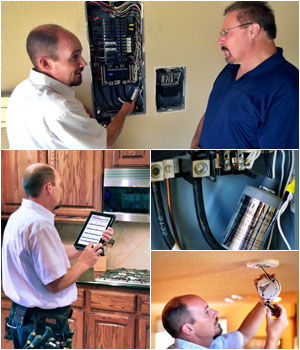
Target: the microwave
(126, 194)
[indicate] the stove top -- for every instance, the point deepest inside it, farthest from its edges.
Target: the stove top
(125, 277)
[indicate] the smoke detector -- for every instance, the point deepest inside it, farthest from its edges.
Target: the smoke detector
(268, 287)
(257, 264)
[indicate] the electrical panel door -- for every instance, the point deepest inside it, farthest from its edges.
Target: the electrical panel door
(117, 58)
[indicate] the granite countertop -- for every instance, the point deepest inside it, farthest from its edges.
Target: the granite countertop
(88, 277)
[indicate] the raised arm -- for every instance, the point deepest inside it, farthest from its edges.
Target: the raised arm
(275, 327)
(115, 127)
(252, 322)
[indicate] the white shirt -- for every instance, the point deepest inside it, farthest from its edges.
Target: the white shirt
(233, 340)
(33, 255)
(43, 113)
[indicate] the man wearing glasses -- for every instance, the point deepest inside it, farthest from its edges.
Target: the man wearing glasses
(254, 102)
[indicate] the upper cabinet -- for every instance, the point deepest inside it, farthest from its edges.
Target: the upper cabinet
(127, 158)
(81, 174)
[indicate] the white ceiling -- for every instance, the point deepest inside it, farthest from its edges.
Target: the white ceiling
(214, 275)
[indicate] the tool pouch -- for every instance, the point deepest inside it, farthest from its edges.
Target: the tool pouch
(8, 329)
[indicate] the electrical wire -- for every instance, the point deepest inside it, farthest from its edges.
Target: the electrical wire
(289, 179)
(281, 211)
(161, 216)
(171, 213)
(274, 165)
(201, 216)
(249, 161)
(282, 172)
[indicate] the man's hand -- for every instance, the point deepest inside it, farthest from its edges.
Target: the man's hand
(107, 234)
(275, 327)
(127, 107)
(90, 255)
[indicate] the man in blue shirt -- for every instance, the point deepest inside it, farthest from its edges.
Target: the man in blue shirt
(255, 99)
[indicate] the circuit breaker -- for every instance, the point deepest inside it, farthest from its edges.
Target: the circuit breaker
(170, 89)
(117, 59)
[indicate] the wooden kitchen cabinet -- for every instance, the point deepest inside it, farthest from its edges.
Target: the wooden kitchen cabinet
(5, 311)
(13, 164)
(104, 318)
(81, 176)
(127, 158)
(110, 331)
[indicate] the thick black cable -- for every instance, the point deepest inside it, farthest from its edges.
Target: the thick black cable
(201, 216)
(268, 163)
(161, 216)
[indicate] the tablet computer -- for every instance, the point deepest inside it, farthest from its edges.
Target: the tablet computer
(92, 230)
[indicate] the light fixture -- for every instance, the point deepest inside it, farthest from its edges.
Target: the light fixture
(236, 297)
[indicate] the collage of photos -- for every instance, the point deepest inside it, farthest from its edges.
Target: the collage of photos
(150, 175)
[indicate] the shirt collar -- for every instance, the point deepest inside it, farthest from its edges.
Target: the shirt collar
(39, 78)
(184, 344)
(264, 67)
(27, 203)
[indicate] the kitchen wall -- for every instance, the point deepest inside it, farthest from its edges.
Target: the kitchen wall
(180, 33)
(131, 248)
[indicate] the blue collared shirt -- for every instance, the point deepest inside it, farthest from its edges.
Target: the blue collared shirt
(233, 340)
(258, 110)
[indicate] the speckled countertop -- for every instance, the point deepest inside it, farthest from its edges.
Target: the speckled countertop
(88, 277)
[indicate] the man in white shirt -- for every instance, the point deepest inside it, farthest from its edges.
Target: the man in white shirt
(194, 325)
(43, 112)
(36, 271)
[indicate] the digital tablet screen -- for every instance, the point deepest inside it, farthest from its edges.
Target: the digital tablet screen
(92, 230)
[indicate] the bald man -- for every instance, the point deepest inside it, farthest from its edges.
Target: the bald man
(43, 112)
(194, 325)
(36, 270)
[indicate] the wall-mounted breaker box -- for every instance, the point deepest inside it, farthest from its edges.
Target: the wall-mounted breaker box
(170, 89)
(115, 32)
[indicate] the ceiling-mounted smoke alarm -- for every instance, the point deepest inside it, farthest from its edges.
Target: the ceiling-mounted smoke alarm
(256, 264)
(268, 287)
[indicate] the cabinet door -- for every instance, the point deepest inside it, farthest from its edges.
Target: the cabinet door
(143, 333)
(81, 176)
(110, 331)
(76, 324)
(13, 165)
(127, 158)
(5, 311)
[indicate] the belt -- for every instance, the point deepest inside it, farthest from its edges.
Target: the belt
(55, 318)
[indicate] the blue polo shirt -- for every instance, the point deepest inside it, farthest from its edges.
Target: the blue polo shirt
(258, 110)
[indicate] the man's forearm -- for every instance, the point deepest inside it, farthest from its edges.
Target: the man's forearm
(252, 322)
(115, 127)
(271, 344)
(72, 275)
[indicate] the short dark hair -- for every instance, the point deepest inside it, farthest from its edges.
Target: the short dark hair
(257, 12)
(34, 178)
(174, 315)
(43, 40)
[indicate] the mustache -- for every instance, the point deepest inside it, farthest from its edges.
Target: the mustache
(79, 70)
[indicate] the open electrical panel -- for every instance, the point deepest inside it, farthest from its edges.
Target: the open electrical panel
(117, 59)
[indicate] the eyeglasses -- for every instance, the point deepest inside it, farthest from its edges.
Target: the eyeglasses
(224, 32)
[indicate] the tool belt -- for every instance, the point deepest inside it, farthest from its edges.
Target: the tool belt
(50, 326)
(53, 318)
